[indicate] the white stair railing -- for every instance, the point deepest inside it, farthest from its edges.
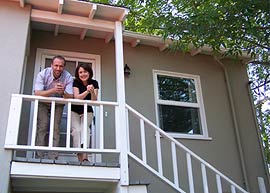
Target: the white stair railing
(210, 177)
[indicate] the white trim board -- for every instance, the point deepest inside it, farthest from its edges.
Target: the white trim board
(19, 169)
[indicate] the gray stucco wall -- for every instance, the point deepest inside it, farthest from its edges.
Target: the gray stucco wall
(13, 37)
(247, 125)
(221, 151)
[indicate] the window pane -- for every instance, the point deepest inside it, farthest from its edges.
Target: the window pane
(179, 119)
(176, 89)
(48, 62)
(70, 65)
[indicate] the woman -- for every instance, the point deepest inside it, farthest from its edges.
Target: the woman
(84, 88)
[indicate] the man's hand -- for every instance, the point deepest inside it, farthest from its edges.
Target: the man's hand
(59, 89)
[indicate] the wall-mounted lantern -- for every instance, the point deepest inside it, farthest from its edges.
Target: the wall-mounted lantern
(127, 70)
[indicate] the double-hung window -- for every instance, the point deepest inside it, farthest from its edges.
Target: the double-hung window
(179, 104)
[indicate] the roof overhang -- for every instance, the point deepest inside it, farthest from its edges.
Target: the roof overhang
(86, 19)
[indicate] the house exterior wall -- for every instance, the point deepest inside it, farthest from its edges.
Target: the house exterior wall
(216, 102)
(13, 38)
(247, 125)
(221, 151)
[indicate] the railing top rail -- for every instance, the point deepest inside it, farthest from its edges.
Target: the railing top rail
(64, 101)
(60, 149)
(164, 134)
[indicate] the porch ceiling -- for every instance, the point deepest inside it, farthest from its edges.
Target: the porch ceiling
(85, 19)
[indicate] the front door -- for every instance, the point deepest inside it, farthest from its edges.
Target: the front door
(43, 60)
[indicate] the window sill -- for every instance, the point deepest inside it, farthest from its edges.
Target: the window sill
(190, 136)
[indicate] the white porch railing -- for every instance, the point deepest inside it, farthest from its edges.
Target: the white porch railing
(209, 177)
(17, 111)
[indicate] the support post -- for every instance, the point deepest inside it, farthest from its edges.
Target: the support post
(121, 131)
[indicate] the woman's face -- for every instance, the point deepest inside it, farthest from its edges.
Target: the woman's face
(83, 74)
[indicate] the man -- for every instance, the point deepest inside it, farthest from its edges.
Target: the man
(53, 81)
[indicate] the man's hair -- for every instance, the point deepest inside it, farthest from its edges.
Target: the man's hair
(59, 57)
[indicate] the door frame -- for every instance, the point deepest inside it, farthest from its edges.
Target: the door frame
(39, 65)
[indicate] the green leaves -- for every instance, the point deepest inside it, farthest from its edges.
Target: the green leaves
(235, 25)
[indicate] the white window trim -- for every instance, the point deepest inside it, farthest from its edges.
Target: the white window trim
(198, 105)
(41, 53)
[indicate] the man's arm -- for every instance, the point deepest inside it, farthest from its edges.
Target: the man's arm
(68, 93)
(45, 93)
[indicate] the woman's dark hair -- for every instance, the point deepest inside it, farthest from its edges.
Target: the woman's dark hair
(86, 67)
(60, 58)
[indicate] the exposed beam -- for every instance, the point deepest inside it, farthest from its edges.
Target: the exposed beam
(22, 3)
(135, 42)
(60, 6)
(59, 11)
(163, 47)
(56, 30)
(124, 15)
(71, 20)
(108, 37)
(92, 11)
(194, 52)
(83, 33)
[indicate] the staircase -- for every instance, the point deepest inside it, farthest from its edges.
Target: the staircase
(171, 153)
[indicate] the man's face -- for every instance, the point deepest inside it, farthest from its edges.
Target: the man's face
(57, 67)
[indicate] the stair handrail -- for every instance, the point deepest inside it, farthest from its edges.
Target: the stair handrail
(191, 153)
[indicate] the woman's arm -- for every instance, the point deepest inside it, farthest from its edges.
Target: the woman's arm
(94, 94)
(77, 94)
(93, 91)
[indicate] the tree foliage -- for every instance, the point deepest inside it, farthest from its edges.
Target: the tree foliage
(260, 87)
(235, 25)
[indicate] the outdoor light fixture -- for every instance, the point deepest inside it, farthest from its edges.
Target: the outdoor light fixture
(126, 70)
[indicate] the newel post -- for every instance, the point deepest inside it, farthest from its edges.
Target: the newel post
(13, 121)
(121, 132)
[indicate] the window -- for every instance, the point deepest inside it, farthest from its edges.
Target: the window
(179, 104)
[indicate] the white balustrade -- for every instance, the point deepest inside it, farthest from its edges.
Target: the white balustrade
(14, 121)
(190, 158)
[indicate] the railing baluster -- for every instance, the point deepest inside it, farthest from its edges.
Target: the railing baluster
(52, 124)
(127, 127)
(85, 126)
(101, 129)
(219, 186)
(204, 178)
(174, 161)
(34, 128)
(159, 156)
(117, 134)
(190, 175)
(68, 125)
(143, 141)
(233, 190)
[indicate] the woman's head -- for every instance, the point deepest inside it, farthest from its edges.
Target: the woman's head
(83, 72)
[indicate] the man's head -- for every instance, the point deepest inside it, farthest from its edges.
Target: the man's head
(58, 65)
